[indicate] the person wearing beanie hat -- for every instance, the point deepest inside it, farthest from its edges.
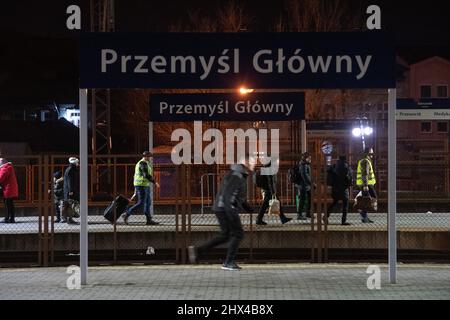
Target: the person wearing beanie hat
(73, 160)
(71, 202)
(143, 177)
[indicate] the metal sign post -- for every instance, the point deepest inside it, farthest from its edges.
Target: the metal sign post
(83, 185)
(392, 185)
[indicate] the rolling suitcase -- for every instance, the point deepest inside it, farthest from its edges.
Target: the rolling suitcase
(119, 204)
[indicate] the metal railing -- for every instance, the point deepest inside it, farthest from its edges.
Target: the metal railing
(210, 191)
(418, 182)
(423, 218)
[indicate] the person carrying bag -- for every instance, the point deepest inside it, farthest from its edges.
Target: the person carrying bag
(365, 202)
(268, 187)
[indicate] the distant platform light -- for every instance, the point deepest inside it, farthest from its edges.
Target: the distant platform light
(368, 131)
(356, 132)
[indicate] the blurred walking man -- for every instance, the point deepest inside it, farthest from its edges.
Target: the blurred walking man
(231, 198)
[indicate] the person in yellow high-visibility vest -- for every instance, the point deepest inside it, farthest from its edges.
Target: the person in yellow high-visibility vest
(143, 176)
(365, 179)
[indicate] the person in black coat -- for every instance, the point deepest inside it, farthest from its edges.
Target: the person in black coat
(304, 187)
(230, 200)
(341, 181)
(269, 191)
(71, 190)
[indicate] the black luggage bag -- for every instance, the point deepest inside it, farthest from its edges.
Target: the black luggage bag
(119, 204)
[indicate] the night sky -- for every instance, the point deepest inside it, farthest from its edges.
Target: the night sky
(36, 41)
(414, 22)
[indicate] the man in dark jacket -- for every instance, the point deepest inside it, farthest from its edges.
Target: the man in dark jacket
(231, 198)
(71, 203)
(304, 187)
(341, 180)
(269, 191)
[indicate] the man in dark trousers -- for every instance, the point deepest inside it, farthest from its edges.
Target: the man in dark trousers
(341, 180)
(304, 187)
(143, 177)
(269, 190)
(58, 193)
(365, 179)
(71, 202)
(231, 198)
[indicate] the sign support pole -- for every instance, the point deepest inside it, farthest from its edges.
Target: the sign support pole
(83, 185)
(303, 136)
(150, 148)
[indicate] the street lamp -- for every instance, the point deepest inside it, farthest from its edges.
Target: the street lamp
(362, 130)
(256, 124)
(243, 90)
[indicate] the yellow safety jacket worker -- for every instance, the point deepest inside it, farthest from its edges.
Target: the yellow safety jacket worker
(371, 177)
(140, 180)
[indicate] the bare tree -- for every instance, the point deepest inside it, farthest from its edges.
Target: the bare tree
(134, 104)
(232, 18)
(320, 16)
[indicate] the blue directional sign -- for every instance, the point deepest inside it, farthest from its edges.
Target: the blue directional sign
(424, 109)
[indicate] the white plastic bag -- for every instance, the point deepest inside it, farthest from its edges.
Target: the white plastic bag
(274, 206)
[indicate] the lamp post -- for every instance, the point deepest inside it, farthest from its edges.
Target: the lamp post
(362, 130)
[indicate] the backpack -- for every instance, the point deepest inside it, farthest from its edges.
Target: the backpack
(294, 175)
(346, 176)
(260, 180)
(342, 178)
(349, 179)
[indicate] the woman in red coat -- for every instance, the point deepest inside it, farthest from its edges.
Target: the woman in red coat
(8, 182)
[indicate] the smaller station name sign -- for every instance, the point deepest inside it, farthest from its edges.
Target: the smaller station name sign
(424, 109)
(227, 107)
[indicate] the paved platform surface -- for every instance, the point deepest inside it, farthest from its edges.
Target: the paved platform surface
(405, 221)
(209, 282)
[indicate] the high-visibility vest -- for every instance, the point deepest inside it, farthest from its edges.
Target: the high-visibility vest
(139, 179)
(370, 179)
